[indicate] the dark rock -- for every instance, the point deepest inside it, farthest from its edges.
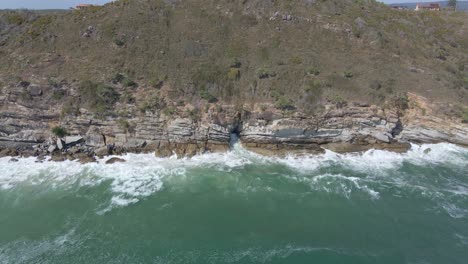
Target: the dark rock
(13, 160)
(24, 84)
(115, 160)
(35, 90)
(8, 152)
(86, 159)
(58, 157)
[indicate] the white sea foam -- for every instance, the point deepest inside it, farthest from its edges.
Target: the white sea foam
(143, 174)
(345, 185)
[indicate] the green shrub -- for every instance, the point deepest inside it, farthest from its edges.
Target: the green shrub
(169, 111)
(125, 125)
(284, 103)
(119, 42)
(400, 101)
(441, 54)
(348, 74)
(464, 115)
(375, 85)
(208, 74)
(296, 60)
(152, 103)
(156, 83)
(234, 74)
(465, 80)
(264, 73)
(15, 19)
(59, 131)
(204, 94)
(236, 63)
(98, 97)
(129, 83)
(127, 98)
(313, 71)
(195, 113)
(313, 86)
(337, 99)
(118, 78)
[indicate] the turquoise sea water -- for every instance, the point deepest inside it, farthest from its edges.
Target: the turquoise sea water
(376, 207)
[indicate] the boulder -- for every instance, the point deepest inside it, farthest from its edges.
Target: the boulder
(95, 140)
(382, 137)
(72, 140)
(135, 143)
(23, 84)
(13, 160)
(102, 151)
(59, 144)
(51, 148)
(58, 157)
(115, 160)
(8, 152)
(35, 90)
(86, 159)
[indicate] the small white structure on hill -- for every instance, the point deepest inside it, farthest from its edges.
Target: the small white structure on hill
(431, 7)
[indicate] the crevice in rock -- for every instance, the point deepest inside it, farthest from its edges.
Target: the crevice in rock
(235, 131)
(397, 129)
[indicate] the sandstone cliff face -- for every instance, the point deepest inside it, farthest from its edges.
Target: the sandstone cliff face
(25, 128)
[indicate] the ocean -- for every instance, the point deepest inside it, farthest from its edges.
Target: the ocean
(239, 207)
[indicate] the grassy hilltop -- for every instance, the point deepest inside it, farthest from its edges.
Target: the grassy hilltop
(158, 55)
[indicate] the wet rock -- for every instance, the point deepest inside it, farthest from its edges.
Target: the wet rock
(115, 160)
(58, 157)
(102, 151)
(86, 159)
(427, 151)
(8, 153)
(13, 160)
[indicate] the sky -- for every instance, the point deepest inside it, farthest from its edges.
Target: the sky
(46, 4)
(64, 4)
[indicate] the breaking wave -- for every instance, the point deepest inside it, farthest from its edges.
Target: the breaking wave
(374, 174)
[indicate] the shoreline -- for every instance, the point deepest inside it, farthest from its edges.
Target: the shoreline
(117, 157)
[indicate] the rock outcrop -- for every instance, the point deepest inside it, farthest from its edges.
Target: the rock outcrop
(26, 130)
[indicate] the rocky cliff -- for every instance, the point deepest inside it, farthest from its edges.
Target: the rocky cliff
(26, 129)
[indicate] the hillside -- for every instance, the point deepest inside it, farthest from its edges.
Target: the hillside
(254, 51)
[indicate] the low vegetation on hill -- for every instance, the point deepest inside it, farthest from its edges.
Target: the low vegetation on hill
(155, 55)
